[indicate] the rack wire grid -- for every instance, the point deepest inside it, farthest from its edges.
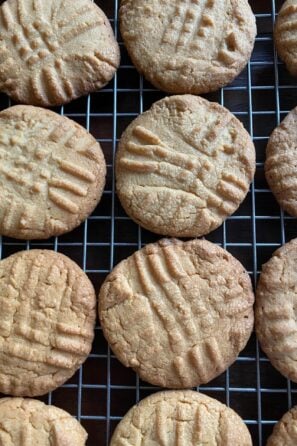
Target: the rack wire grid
(102, 391)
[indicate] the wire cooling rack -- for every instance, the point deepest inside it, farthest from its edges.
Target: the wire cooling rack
(103, 390)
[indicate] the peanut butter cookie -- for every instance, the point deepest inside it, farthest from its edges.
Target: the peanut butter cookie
(31, 422)
(48, 312)
(184, 166)
(181, 417)
(275, 311)
(281, 165)
(285, 431)
(188, 46)
(52, 173)
(177, 312)
(285, 34)
(52, 52)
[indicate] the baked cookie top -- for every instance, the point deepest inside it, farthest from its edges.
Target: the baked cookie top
(280, 165)
(275, 310)
(177, 312)
(31, 422)
(184, 166)
(188, 46)
(181, 417)
(52, 173)
(48, 312)
(285, 431)
(285, 34)
(52, 52)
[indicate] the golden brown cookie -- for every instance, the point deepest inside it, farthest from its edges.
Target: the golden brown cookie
(285, 34)
(48, 312)
(31, 422)
(275, 311)
(52, 173)
(54, 51)
(280, 165)
(285, 431)
(177, 312)
(181, 418)
(188, 46)
(184, 166)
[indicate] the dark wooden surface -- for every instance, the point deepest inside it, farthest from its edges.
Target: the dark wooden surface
(243, 374)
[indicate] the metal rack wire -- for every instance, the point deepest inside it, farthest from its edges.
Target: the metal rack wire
(103, 390)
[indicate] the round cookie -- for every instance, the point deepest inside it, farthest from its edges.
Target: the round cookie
(181, 417)
(52, 173)
(177, 312)
(188, 46)
(285, 35)
(52, 52)
(31, 422)
(48, 312)
(285, 431)
(275, 309)
(280, 164)
(184, 166)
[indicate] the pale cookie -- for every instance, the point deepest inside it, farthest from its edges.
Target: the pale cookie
(177, 312)
(30, 422)
(184, 166)
(52, 173)
(188, 46)
(52, 52)
(48, 312)
(280, 165)
(285, 431)
(275, 311)
(181, 418)
(285, 34)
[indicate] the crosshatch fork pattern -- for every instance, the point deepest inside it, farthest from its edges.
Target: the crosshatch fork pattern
(103, 390)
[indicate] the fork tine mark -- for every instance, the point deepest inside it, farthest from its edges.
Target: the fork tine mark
(51, 84)
(22, 12)
(62, 202)
(68, 186)
(78, 30)
(83, 10)
(7, 17)
(147, 136)
(77, 171)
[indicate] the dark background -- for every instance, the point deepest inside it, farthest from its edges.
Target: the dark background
(103, 390)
